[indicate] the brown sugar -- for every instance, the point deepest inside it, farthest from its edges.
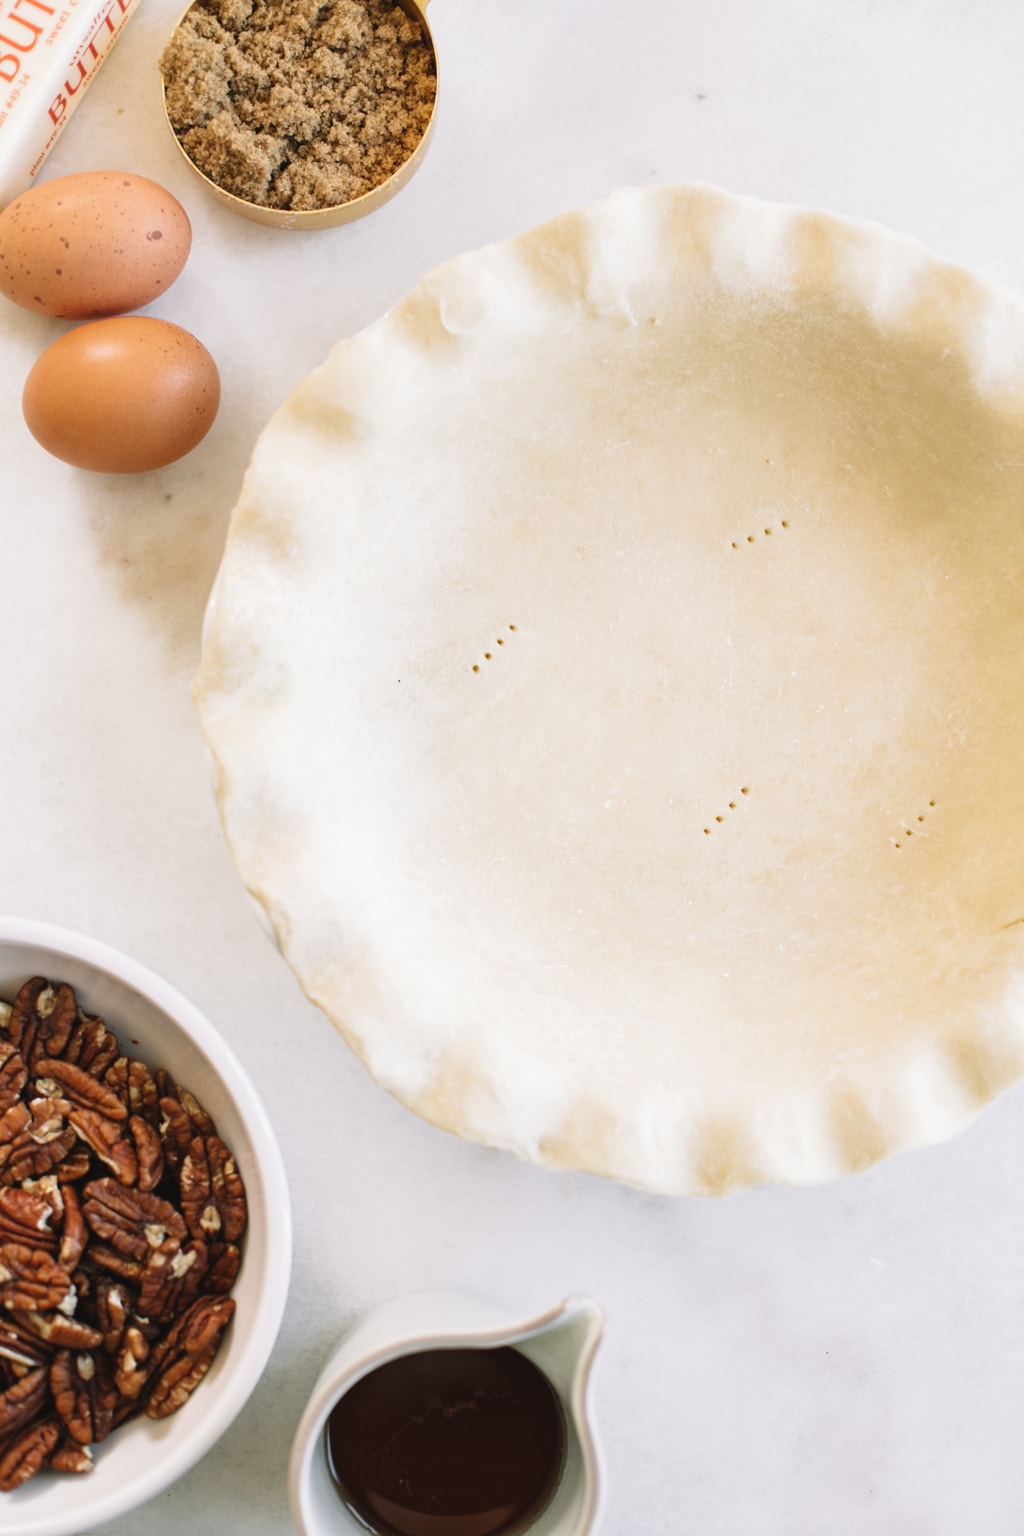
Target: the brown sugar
(299, 104)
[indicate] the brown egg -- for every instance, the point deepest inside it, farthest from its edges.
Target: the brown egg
(122, 395)
(96, 243)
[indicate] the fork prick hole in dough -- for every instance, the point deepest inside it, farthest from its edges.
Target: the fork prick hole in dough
(489, 655)
(751, 538)
(922, 817)
(720, 819)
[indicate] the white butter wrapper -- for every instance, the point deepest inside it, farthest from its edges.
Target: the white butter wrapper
(50, 51)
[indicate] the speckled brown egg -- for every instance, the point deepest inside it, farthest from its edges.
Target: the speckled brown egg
(96, 243)
(122, 395)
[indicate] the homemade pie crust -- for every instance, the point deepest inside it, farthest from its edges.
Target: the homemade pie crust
(615, 680)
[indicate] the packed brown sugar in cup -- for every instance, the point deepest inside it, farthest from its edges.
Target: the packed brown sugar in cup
(298, 104)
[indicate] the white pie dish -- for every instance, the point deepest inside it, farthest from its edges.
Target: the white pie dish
(155, 1022)
(613, 689)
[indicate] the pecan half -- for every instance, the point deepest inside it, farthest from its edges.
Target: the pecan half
(114, 1306)
(107, 1140)
(23, 1024)
(23, 1457)
(166, 1087)
(56, 1329)
(30, 1280)
(133, 1221)
(13, 1122)
(25, 1217)
(121, 1264)
(133, 1083)
(212, 1191)
(204, 1125)
(69, 1395)
(84, 1394)
(187, 1354)
(57, 1013)
(199, 1122)
(92, 1046)
(130, 1368)
(74, 1235)
(47, 1187)
(225, 1262)
(42, 1019)
(149, 1153)
(57, 1079)
(33, 1139)
(71, 1457)
(13, 1074)
(75, 1166)
(47, 1120)
(20, 1404)
(176, 1131)
(172, 1278)
(21, 1351)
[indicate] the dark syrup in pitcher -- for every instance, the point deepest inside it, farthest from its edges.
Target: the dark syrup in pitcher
(448, 1442)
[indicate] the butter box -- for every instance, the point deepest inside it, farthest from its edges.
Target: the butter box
(50, 51)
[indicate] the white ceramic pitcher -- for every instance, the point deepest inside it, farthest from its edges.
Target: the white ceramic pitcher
(561, 1342)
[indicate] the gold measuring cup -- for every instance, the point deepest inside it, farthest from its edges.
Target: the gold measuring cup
(341, 213)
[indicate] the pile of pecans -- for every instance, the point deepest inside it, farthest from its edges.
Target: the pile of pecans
(121, 1212)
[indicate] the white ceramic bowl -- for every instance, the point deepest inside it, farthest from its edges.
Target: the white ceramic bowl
(157, 1024)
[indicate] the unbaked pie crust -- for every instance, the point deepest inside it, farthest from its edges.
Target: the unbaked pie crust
(615, 684)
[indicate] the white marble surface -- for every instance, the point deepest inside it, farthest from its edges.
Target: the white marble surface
(844, 1361)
